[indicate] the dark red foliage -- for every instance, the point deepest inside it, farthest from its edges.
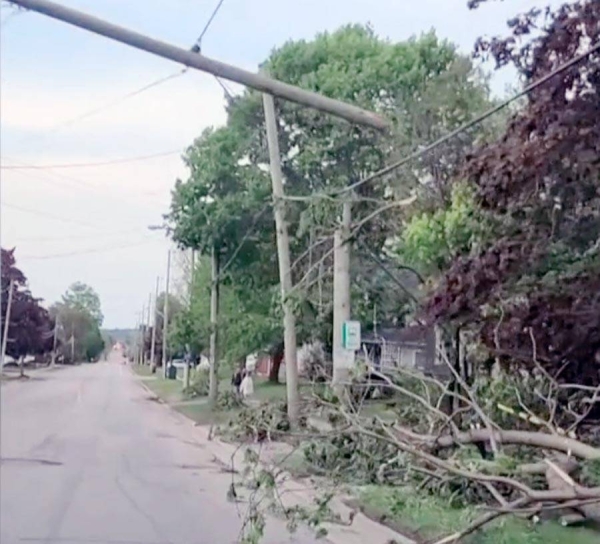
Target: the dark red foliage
(30, 330)
(535, 291)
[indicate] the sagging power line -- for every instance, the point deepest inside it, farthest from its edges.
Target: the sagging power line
(124, 160)
(259, 82)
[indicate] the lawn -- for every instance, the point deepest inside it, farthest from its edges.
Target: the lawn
(428, 518)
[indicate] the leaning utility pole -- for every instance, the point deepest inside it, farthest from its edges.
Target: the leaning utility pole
(213, 389)
(6, 323)
(152, 348)
(341, 297)
(283, 256)
(165, 327)
(191, 59)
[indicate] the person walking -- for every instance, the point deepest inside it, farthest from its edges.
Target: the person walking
(247, 386)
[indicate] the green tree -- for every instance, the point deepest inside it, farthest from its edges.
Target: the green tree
(82, 296)
(79, 316)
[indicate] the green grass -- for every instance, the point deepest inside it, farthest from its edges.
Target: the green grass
(203, 415)
(429, 518)
(266, 391)
(143, 370)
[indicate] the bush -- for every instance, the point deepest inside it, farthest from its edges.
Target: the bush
(199, 385)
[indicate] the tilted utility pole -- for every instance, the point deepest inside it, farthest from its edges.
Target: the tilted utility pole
(152, 347)
(165, 327)
(342, 362)
(283, 255)
(6, 323)
(260, 82)
(213, 356)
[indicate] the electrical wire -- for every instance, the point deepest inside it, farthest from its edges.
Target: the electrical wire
(57, 178)
(208, 23)
(85, 251)
(117, 101)
(419, 153)
(85, 237)
(138, 158)
(228, 93)
(49, 215)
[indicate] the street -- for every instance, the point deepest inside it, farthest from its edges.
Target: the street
(87, 457)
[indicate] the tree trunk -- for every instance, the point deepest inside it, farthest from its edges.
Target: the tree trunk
(276, 360)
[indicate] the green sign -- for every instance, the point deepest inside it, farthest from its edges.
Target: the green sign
(351, 335)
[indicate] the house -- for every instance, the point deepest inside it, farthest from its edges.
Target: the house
(412, 347)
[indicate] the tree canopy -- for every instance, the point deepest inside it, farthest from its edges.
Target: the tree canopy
(30, 329)
(423, 85)
(533, 290)
(79, 316)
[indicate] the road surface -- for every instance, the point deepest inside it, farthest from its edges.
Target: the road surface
(86, 457)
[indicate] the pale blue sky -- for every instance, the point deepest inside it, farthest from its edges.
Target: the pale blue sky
(51, 73)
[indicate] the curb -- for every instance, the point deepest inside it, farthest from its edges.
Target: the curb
(358, 531)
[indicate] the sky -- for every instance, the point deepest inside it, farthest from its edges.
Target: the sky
(91, 223)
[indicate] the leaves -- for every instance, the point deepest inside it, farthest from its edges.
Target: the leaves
(30, 329)
(532, 289)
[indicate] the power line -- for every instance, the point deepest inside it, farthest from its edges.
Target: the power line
(74, 182)
(419, 153)
(85, 251)
(143, 89)
(117, 101)
(85, 237)
(198, 45)
(49, 215)
(24, 166)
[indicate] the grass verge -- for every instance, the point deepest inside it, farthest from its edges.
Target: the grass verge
(426, 518)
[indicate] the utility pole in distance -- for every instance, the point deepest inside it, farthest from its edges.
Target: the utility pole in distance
(259, 82)
(6, 323)
(147, 361)
(166, 316)
(152, 346)
(283, 255)
(54, 342)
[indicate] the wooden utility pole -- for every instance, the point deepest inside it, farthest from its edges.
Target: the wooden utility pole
(152, 347)
(341, 297)
(213, 390)
(165, 327)
(148, 325)
(283, 255)
(191, 59)
(73, 344)
(6, 323)
(141, 336)
(54, 342)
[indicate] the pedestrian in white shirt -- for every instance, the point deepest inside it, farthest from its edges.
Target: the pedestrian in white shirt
(247, 386)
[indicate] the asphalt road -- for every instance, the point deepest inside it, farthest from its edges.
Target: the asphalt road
(86, 457)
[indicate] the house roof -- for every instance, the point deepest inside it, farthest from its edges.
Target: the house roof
(415, 334)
